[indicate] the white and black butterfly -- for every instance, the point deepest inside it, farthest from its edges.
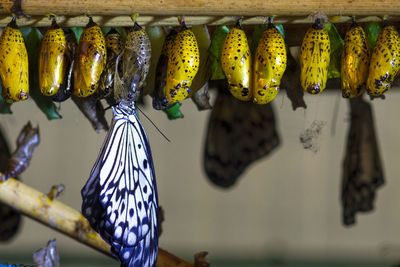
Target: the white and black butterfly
(120, 198)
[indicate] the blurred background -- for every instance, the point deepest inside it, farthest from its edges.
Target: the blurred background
(284, 211)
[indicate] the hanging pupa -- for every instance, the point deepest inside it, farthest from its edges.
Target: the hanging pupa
(314, 58)
(385, 61)
(354, 62)
(14, 67)
(53, 60)
(269, 65)
(114, 48)
(159, 99)
(67, 87)
(236, 63)
(90, 60)
(183, 64)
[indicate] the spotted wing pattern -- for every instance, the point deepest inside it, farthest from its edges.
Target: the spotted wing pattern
(238, 134)
(120, 197)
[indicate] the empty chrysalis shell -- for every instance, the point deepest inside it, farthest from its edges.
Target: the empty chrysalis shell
(133, 65)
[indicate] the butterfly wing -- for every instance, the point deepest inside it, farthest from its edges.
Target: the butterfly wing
(238, 134)
(120, 197)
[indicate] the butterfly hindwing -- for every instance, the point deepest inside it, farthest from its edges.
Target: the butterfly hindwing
(123, 206)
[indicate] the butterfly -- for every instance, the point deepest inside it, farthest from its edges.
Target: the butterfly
(238, 134)
(120, 198)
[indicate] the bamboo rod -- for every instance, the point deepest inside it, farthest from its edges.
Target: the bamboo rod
(65, 219)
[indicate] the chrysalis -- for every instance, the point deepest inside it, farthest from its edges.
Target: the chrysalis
(314, 58)
(236, 63)
(269, 65)
(90, 60)
(53, 60)
(355, 62)
(385, 61)
(67, 87)
(159, 99)
(14, 66)
(183, 64)
(114, 48)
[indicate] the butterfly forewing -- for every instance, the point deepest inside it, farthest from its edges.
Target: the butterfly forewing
(120, 198)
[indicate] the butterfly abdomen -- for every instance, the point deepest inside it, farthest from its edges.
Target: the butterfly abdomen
(385, 61)
(90, 60)
(183, 64)
(355, 62)
(14, 70)
(236, 63)
(53, 60)
(269, 65)
(314, 59)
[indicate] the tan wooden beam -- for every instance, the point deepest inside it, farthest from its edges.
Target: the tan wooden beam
(206, 7)
(211, 12)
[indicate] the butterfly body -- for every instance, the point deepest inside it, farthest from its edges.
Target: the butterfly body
(120, 197)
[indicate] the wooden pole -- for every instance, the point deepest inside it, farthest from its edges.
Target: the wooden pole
(206, 7)
(196, 12)
(65, 219)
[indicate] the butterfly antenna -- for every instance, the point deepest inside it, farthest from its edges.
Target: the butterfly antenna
(166, 138)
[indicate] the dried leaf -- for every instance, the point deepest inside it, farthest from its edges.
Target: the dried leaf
(291, 82)
(362, 166)
(200, 259)
(93, 110)
(10, 219)
(47, 256)
(28, 140)
(202, 98)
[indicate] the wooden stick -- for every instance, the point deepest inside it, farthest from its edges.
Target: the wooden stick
(154, 20)
(206, 7)
(65, 219)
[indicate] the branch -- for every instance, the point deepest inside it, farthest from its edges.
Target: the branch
(65, 219)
